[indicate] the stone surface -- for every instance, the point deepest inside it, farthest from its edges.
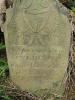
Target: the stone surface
(37, 38)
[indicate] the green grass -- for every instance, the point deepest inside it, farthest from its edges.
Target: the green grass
(73, 9)
(3, 75)
(2, 46)
(3, 96)
(3, 68)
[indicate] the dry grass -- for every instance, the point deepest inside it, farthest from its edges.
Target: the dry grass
(14, 92)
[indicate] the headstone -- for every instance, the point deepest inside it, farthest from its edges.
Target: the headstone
(37, 38)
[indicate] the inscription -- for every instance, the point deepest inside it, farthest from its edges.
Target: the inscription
(36, 50)
(34, 57)
(36, 39)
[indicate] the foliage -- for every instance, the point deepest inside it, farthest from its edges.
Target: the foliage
(3, 68)
(3, 96)
(3, 74)
(69, 4)
(2, 46)
(73, 9)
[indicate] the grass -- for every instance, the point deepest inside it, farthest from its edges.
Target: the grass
(73, 9)
(3, 68)
(2, 46)
(3, 75)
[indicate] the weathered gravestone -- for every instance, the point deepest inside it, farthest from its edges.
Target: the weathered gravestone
(37, 37)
